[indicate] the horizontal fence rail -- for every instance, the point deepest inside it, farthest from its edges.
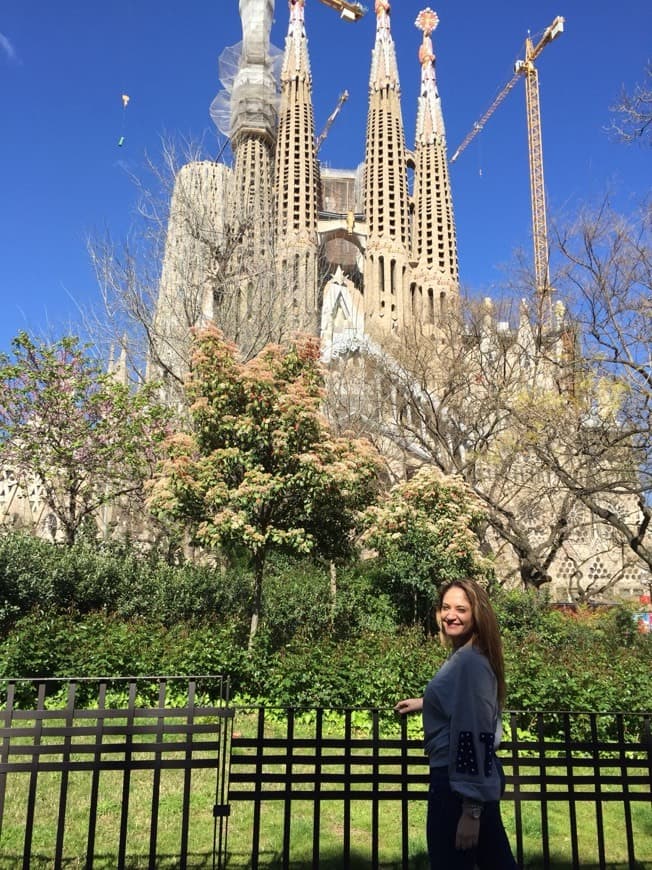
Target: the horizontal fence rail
(368, 758)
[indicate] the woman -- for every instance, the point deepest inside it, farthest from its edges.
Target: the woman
(461, 721)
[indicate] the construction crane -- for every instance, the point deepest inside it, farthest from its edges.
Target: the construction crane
(348, 11)
(319, 141)
(527, 69)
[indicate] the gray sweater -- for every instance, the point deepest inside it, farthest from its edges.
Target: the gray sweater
(461, 724)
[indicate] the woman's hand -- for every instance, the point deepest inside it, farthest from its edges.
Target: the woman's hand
(409, 705)
(468, 832)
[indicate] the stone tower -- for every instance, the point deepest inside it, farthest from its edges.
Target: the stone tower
(248, 299)
(385, 190)
(253, 124)
(297, 184)
(434, 278)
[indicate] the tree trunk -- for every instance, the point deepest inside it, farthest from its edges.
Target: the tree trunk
(258, 565)
(333, 589)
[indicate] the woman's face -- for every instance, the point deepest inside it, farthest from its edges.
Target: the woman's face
(456, 616)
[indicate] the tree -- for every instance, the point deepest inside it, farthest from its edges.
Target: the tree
(424, 532)
(608, 280)
(545, 414)
(259, 469)
(634, 112)
(84, 438)
(442, 396)
(190, 259)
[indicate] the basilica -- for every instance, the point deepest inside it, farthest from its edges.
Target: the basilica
(365, 257)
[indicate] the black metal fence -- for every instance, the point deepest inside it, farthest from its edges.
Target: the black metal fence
(156, 773)
(88, 740)
(579, 788)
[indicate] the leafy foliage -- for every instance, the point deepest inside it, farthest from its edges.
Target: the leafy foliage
(423, 534)
(36, 575)
(260, 470)
(89, 611)
(577, 666)
(84, 438)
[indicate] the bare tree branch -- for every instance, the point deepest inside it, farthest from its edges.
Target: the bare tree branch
(634, 113)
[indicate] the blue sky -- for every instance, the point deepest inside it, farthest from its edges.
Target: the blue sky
(65, 65)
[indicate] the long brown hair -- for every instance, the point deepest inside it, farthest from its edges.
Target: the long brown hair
(486, 635)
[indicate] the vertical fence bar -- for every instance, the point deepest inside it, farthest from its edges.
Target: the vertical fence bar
(258, 788)
(33, 776)
(156, 778)
(221, 810)
(597, 779)
(516, 780)
(375, 785)
(287, 802)
(346, 808)
(6, 743)
(187, 776)
(572, 804)
(316, 816)
(126, 776)
(95, 779)
(63, 790)
(545, 830)
(405, 840)
(622, 752)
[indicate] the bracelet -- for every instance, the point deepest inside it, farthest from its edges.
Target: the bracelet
(472, 810)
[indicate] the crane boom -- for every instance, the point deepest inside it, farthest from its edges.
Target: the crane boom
(527, 69)
(483, 120)
(349, 11)
(319, 141)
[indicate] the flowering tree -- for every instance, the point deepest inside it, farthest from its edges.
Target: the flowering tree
(260, 469)
(424, 534)
(68, 426)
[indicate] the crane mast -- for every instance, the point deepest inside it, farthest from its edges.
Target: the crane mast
(526, 68)
(537, 187)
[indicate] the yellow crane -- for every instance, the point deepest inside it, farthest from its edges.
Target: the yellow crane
(527, 69)
(348, 11)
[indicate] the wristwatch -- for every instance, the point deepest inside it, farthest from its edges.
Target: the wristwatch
(473, 810)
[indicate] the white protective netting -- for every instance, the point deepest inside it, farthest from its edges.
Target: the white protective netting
(228, 66)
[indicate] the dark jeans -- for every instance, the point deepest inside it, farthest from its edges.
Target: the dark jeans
(493, 851)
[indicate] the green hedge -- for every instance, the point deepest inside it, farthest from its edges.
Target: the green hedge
(89, 611)
(578, 671)
(39, 576)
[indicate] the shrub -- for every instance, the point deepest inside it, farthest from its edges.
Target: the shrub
(104, 610)
(115, 578)
(368, 670)
(25, 576)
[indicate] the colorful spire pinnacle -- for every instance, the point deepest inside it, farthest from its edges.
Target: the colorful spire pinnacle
(429, 119)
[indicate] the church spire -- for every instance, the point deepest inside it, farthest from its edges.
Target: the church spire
(297, 181)
(434, 248)
(386, 195)
(253, 129)
(253, 122)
